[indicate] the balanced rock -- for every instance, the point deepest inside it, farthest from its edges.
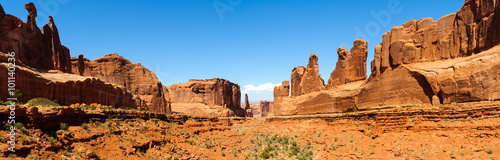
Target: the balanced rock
(32, 15)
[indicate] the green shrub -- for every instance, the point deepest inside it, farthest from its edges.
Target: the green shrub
(265, 154)
(85, 127)
(489, 151)
(63, 126)
(44, 102)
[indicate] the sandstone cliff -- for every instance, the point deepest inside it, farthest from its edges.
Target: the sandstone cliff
(213, 97)
(424, 62)
(140, 81)
(306, 80)
(351, 66)
(66, 88)
(267, 108)
(34, 48)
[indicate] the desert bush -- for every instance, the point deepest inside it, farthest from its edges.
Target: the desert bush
(85, 127)
(63, 126)
(44, 102)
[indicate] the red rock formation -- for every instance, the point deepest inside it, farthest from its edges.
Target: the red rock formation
(81, 65)
(307, 80)
(455, 76)
(282, 90)
(61, 55)
(66, 88)
(140, 81)
(311, 81)
(247, 107)
(297, 74)
(424, 62)
(267, 108)
(207, 96)
(33, 48)
(351, 66)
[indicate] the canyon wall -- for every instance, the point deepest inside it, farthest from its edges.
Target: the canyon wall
(424, 62)
(140, 81)
(66, 88)
(40, 49)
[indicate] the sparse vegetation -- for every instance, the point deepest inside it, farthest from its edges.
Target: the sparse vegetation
(63, 126)
(43, 102)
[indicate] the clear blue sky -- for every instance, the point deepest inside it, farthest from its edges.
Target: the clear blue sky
(249, 42)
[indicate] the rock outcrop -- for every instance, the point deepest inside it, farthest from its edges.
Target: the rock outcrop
(140, 81)
(66, 88)
(267, 108)
(307, 80)
(351, 66)
(33, 48)
(248, 109)
(446, 48)
(213, 97)
(297, 74)
(282, 90)
(424, 62)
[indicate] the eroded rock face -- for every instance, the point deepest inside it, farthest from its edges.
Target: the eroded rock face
(32, 47)
(282, 90)
(66, 88)
(247, 107)
(140, 81)
(60, 54)
(351, 66)
(267, 108)
(296, 78)
(307, 79)
(424, 62)
(207, 94)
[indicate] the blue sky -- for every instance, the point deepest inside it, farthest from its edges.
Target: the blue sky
(255, 43)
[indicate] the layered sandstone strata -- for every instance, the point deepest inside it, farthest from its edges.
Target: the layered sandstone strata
(424, 62)
(140, 81)
(213, 97)
(66, 88)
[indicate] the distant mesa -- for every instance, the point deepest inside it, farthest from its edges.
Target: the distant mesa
(213, 97)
